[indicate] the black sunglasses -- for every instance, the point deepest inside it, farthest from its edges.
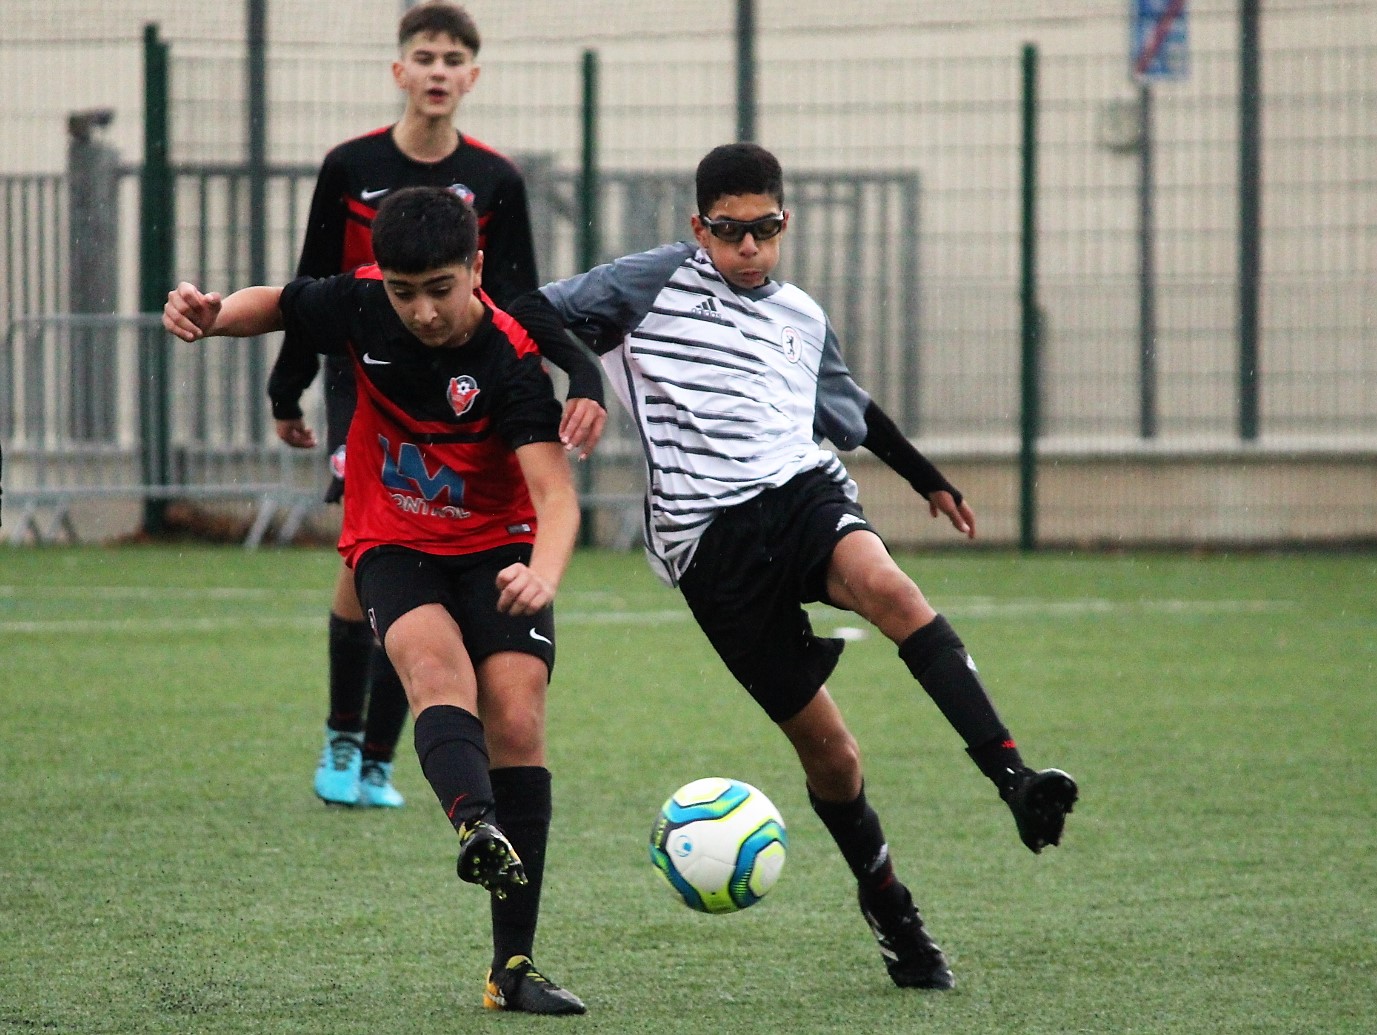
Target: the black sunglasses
(733, 231)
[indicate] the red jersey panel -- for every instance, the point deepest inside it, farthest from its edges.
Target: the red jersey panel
(430, 462)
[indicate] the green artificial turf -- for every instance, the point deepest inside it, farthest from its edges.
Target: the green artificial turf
(164, 866)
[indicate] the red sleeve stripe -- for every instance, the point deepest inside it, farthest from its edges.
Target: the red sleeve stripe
(485, 147)
(515, 333)
(371, 133)
(360, 211)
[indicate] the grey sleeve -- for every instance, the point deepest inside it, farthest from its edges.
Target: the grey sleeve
(840, 413)
(604, 304)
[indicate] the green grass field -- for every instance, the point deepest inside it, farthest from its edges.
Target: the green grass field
(164, 866)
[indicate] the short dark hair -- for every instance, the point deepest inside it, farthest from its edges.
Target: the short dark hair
(738, 169)
(423, 228)
(439, 17)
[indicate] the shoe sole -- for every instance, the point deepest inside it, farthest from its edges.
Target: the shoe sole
(1049, 798)
(346, 803)
(551, 1006)
(367, 802)
(938, 981)
(562, 1010)
(492, 866)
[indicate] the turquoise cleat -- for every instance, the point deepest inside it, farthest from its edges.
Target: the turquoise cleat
(337, 776)
(375, 787)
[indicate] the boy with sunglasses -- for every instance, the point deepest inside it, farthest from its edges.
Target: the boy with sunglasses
(733, 380)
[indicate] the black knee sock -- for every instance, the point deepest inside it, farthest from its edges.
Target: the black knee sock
(855, 826)
(523, 807)
(938, 660)
(454, 758)
(350, 645)
(387, 708)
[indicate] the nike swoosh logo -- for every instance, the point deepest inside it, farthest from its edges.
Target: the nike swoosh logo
(373, 195)
(543, 639)
(376, 362)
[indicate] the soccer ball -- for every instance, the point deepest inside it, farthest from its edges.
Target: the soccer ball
(719, 843)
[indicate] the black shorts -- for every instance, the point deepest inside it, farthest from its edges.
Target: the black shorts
(756, 564)
(392, 580)
(341, 397)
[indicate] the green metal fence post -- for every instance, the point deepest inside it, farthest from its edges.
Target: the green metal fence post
(589, 241)
(156, 213)
(1029, 313)
(256, 83)
(1249, 219)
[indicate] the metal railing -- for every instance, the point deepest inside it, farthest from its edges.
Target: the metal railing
(103, 406)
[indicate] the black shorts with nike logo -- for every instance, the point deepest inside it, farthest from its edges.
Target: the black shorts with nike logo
(392, 580)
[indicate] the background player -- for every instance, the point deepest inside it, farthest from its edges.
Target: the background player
(436, 68)
(459, 522)
(734, 379)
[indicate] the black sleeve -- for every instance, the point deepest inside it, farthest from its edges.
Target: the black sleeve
(546, 328)
(509, 265)
(885, 440)
(314, 312)
(322, 252)
(527, 411)
(293, 371)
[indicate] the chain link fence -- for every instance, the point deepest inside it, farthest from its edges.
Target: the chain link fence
(898, 126)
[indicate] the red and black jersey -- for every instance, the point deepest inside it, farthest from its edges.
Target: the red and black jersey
(354, 179)
(431, 460)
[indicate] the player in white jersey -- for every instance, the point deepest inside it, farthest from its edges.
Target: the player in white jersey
(733, 380)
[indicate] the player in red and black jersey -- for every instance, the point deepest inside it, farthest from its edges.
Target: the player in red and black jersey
(436, 68)
(459, 520)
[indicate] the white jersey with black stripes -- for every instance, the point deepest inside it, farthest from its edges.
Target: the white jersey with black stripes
(731, 391)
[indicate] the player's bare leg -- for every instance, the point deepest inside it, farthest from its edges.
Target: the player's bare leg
(862, 577)
(831, 761)
(428, 651)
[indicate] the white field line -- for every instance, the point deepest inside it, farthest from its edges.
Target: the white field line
(574, 614)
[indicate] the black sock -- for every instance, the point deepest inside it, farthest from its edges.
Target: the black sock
(523, 806)
(855, 826)
(350, 645)
(454, 758)
(387, 708)
(938, 660)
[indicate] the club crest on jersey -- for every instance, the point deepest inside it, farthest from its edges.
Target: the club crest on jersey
(462, 191)
(463, 390)
(791, 341)
(337, 463)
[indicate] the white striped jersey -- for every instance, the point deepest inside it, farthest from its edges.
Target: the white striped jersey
(731, 391)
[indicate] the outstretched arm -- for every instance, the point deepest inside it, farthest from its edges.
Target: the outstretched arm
(885, 440)
(192, 314)
(585, 414)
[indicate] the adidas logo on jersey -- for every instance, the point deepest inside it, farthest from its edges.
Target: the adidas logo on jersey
(708, 310)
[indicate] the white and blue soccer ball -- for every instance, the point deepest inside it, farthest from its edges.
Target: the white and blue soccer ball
(719, 843)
